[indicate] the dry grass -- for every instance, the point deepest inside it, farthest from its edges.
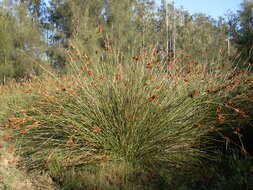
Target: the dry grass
(12, 176)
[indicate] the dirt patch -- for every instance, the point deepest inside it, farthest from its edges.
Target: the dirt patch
(14, 178)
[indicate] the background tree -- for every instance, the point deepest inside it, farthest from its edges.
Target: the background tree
(44, 33)
(241, 31)
(6, 45)
(197, 34)
(22, 47)
(76, 21)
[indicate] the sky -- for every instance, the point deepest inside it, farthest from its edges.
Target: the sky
(213, 8)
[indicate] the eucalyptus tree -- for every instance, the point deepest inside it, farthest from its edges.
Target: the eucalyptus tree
(186, 34)
(145, 22)
(241, 31)
(22, 48)
(6, 44)
(76, 21)
(36, 8)
(202, 37)
(119, 19)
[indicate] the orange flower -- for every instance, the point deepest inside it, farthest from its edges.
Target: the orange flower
(197, 125)
(23, 131)
(70, 141)
(49, 157)
(94, 84)
(71, 46)
(117, 76)
(231, 102)
(237, 131)
(136, 58)
(96, 129)
(102, 78)
(104, 159)
(20, 120)
(220, 118)
(29, 91)
(218, 109)
(78, 54)
(89, 72)
(86, 58)
(157, 87)
(234, 74)
(193, 94)
(72, 92)
(152, 98)
(227, 88)
(35, 124)
(15, 122)
(58, 100)
(149, 66)
(46, 95)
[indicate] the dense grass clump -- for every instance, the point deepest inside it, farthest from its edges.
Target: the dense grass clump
(135, 114)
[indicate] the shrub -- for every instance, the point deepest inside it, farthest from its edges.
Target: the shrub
(130, 111)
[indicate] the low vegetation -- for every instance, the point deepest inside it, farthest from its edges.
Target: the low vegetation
(134, 123)
(100, 95)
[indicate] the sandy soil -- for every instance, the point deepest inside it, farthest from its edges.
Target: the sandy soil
(13, 178)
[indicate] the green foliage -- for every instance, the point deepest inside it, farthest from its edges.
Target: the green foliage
(98, 25)
(197, 34)
(119, 112)
(76, 20)
(127, 115)
(21, 44)
(6, 42)
(241, 31)
(119, 122)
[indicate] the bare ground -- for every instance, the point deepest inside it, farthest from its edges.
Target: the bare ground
(14, 178)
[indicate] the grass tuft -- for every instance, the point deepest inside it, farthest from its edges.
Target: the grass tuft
(132, 115)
